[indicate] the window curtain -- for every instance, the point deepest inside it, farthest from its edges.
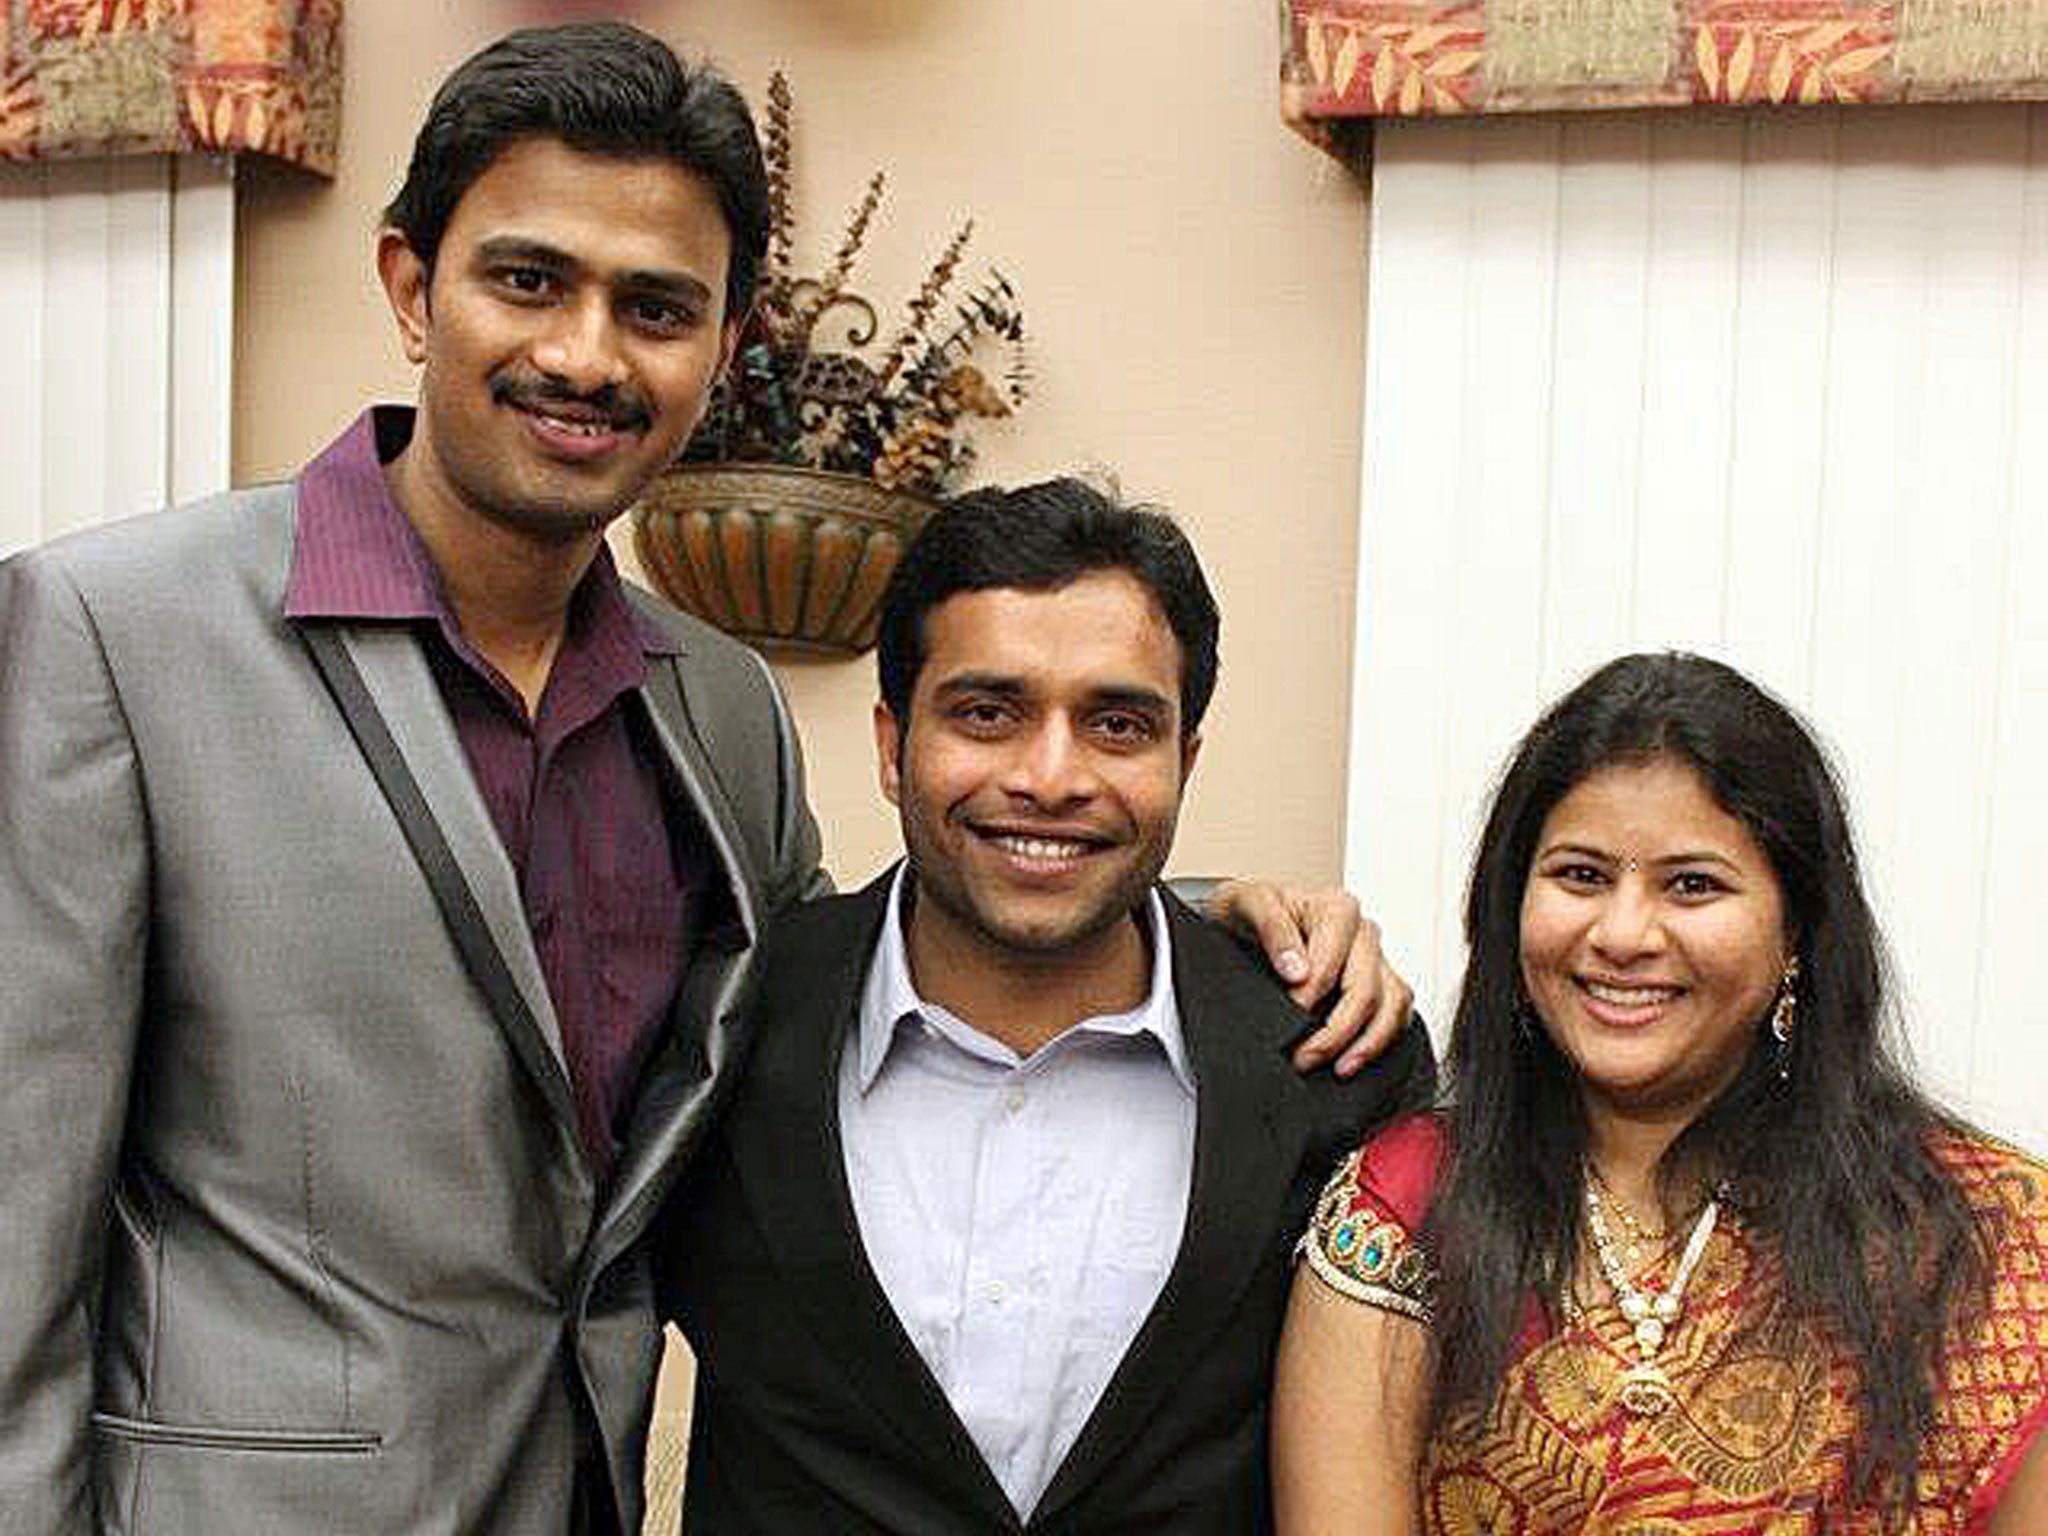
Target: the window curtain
(118, 77)
(1350, 59)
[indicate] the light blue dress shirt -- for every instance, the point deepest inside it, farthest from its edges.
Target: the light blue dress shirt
(1020, 1213)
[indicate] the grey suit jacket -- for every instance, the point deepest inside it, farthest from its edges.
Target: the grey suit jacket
(294, 1235)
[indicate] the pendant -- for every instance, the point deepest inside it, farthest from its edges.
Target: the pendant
(1646, 1391)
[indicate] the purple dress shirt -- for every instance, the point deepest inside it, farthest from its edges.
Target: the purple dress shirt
(613, 870)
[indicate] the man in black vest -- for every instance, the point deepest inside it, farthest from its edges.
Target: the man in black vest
(995, 1234)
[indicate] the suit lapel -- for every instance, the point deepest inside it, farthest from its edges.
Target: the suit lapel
(1246, 1151)
(674, 728)
(403, 690)
(660, 1117)
(786, 1145)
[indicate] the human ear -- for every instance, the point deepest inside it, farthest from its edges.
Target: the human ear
(406, 279)
(888, 753)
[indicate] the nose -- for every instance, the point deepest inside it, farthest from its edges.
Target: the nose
(1629, 924)
(1051, 766)
(579, 345)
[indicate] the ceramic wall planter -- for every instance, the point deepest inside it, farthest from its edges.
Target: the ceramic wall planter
(775, 554)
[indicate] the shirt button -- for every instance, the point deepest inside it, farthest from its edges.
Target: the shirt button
(1013, 1101)
(997, 1292)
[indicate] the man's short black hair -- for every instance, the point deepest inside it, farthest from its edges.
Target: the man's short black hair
(602, 88)
(1038, 538)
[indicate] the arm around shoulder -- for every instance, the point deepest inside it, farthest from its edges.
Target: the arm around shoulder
(74, 875)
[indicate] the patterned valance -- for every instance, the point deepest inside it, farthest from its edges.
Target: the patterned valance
(114, 77)
(1374, 58)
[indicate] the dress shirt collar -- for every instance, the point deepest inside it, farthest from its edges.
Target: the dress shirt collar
(355, 555)
(889, 1001)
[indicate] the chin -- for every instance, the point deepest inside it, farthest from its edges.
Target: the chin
(1047, 935)
(1621, 1080)
(560, 519)
(1039, 938)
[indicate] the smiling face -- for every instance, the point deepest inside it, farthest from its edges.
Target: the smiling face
(1040, 776)
(569, 334)
(1652, 939)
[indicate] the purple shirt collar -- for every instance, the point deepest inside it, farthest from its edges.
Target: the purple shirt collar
(357, 556)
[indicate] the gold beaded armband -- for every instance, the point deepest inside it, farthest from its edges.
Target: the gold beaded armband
(1360, 1252)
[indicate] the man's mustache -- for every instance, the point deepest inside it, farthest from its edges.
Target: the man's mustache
(623, 410)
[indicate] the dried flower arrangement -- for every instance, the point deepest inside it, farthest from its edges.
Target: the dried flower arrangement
(901, 421)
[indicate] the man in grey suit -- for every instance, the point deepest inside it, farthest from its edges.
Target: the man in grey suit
(380, 877)
(313, 1220)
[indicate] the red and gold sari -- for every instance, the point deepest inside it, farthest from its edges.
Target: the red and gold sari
(1760, 1433)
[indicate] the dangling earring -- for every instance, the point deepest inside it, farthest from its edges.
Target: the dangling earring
(1785, 1014)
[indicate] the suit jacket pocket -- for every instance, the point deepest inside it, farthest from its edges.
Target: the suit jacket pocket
(212, 1437)
(154, 1477)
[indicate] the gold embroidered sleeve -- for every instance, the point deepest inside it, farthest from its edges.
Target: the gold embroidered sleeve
(1359, 1250)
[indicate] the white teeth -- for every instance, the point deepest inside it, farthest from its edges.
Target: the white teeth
(1041, 848)
(579, 428)
(1630, 997)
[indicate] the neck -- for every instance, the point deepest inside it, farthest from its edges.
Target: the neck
(1627, 1150)
(1025, 998)
(509, 589)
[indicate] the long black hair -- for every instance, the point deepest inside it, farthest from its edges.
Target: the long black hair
(1830, 1164)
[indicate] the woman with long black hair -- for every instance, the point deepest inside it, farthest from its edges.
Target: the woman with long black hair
(1687, 1252)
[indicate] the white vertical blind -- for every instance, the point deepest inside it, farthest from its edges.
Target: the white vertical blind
(202, 351)
(1771, 386)
(116, 311)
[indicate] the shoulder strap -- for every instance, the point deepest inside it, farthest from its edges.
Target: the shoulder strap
(465, 919)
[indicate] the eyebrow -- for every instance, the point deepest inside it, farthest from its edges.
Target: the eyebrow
(1145, 701)
(1129, 696)
(520, 248)
(997, 683)
(646, 280)
(1668, 861)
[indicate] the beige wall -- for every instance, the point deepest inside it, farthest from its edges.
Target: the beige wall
(1191, 272)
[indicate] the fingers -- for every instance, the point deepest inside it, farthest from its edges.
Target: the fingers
(1343, 971)
(1372, 1005)
(1390, 1015)
(1323, 946)
(1342, 943)
(1262, 910)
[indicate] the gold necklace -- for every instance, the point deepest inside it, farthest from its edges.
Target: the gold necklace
(1645, 1389)
(1635, 1235)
